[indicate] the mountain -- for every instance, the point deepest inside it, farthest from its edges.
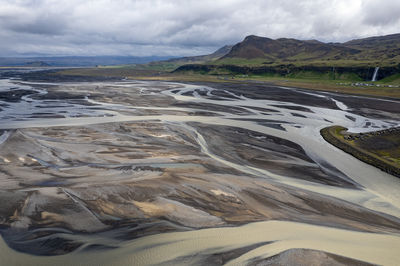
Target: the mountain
(377, 42)
(382, 50)
(174, 63)
(204, 58)
(386, 48)
(352, 60)
(286, 49)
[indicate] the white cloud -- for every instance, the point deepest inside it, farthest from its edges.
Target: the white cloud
(156, 27)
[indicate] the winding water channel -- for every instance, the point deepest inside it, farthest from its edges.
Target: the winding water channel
(30, 109)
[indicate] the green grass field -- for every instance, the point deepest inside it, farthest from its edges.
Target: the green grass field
(394, 80)
(380, 149)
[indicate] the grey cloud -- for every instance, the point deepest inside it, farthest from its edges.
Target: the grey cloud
(381, 12)
(26, 18)
(41, 25)
(168, 27)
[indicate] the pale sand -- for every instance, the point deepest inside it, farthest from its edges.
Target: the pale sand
(189, 137)
(374, 248)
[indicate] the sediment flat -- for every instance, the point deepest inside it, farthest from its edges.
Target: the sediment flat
(267, 239)
(173, 173)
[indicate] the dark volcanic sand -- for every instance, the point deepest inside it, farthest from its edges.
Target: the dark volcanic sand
(135, 159)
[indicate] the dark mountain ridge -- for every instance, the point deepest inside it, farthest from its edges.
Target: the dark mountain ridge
(287, 57)
(285, 48)
(382, 50)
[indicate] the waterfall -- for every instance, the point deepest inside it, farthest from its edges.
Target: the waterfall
(375, 74)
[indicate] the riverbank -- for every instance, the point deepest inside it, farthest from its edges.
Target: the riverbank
(380, 149)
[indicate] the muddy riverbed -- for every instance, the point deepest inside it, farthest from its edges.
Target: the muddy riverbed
(142, 172)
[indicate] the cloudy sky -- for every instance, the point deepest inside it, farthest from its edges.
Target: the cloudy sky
(181, 27)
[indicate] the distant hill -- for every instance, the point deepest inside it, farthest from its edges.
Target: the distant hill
(204, 58)
(77, 61)
(36, 64)
(173, 63)
(253, 50)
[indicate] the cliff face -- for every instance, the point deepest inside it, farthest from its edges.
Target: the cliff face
(363, 73)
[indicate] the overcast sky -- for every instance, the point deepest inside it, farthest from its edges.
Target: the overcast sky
(181, 27)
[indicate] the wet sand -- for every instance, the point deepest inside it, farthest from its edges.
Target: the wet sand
(158, 172)
(195, 247)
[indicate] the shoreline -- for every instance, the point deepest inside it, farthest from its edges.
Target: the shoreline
(330, 134)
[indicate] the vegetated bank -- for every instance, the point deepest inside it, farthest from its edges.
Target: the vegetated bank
(356, 73)
(379, 148)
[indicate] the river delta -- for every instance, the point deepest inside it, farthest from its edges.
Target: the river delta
(149, 172)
